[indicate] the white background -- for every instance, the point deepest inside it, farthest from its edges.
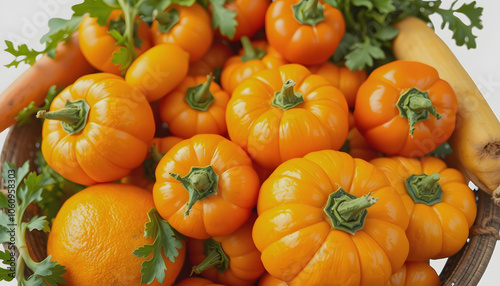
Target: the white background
(25, 21)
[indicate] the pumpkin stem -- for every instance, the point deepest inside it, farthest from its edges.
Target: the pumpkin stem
(200, 183)
(215, 257)
(151, 163)
(251, 53)
(73, 116)
(346, 211)
(166, 20)
(199, 97)
(287, 98)
(416, 105)
(425, 189)
(308, 12)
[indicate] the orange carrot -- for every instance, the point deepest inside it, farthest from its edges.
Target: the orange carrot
(33, 84)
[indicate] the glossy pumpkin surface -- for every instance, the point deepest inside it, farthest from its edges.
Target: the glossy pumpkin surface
(310, 116)
(217, 170)
(441, 206)
(110, 142)
(300, 242)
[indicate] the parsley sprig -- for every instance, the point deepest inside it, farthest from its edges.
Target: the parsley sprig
(23, 189)
(166, 241)
(369, 31)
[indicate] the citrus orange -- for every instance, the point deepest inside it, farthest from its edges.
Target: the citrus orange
(96, 231)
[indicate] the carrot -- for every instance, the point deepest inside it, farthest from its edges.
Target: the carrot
(476, 138)
(33, 84)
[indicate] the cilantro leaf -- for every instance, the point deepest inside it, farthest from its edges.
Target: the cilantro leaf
(223, 18)
(25, 115)
(98, 9)
(22, 54)
(166, 238)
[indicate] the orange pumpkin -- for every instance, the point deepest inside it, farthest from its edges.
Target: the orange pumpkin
(231, 259)
(97, 130)
(203, 181)
(441, 206)
(329, 219)
(285, 113)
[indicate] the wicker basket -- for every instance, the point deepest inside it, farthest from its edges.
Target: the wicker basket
(464, 268)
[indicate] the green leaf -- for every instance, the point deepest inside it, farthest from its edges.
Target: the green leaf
(124, 57)
(384, 6)
(38, 223)
(387, 33)
(366, 3)
(462, 33)
(373, 20)
(4, 202)
(57, 191)
(147, 8)
(10, 169)
(25, 115)
(5, 274)
(60, 30)
(31, 191)
(50, 271)
(166, 239)
(22, 54)
(362, 55)
(223, 19)
(30, 187)
(98, 9)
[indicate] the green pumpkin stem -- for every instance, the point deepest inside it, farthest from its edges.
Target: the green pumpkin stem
(416, 105)
(287, 98)
(215, 257)
(73, 116)
(200, 183)
(199, 97)
(308, 12)
(346, 211)
(250, 52)
(425, 189)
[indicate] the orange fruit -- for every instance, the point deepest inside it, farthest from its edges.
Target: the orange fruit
(96, 231)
